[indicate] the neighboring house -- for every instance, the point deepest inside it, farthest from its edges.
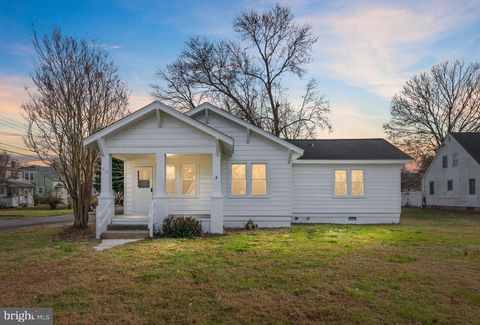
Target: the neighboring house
(224, 171)
(14, 191)
(46, 181)
(452, 179)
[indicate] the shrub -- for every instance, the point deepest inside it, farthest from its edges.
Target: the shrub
(250, 225)
(181, 226)
(53, 201)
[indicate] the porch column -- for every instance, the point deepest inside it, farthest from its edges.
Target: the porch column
(216, 200)
(106, 205)
(160, 199)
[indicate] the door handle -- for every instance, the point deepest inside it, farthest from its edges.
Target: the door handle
(151, 189)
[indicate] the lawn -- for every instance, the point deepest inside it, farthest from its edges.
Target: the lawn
(37, 211)
(426, 270)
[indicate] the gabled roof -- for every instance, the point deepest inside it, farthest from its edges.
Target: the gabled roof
(156, 105)
(47, 171)
(17, 182)
(470, 141)
(241, 122)
(349, 149)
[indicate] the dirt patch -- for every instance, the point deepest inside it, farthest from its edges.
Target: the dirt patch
(74, 234)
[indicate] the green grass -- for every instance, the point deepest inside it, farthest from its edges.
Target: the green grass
(425, 270)
(37, 211)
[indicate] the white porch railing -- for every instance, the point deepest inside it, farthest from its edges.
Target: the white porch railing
(104, 214)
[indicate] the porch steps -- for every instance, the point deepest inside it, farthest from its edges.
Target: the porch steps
(123, 226)
(125, 234)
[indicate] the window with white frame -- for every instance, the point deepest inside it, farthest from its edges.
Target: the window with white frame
(455, 160)
(357, 182)
(239, 179)
(259, 179)
(40, 190)
(349, 182)
(341, 182)
(189, 179)
(171, 180)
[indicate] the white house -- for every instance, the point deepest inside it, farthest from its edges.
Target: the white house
(224, 171)
(452, 178)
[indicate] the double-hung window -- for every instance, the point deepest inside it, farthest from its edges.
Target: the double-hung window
(349, 182)
(189, 179)
(445, 161)
(248, 179)
(432, 188)
(239, 179)
(471, 186)
(259, 179)
(450, 185)
(171, 181)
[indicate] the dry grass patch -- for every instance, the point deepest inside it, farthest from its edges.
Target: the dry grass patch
(422, 271)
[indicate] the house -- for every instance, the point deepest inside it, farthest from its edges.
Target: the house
(46, 181)
(453, 177)
(224, 171)
(14, 191)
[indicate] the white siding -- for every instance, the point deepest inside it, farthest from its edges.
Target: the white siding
(467, 168)
(173, 134)
(272, 210)
(314, 200)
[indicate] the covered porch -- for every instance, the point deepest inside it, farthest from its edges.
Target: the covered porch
(160, 184)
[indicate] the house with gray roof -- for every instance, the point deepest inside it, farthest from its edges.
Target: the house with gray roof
(224, 171)
(46, 181)
(452, 179)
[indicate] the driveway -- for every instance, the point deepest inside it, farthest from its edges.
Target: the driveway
(10, 223)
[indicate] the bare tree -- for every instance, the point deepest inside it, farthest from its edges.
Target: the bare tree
(77, 92)
(433, 104)
(4, 162)
(245, 77)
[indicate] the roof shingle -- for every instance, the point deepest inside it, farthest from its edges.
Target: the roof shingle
(349, 149)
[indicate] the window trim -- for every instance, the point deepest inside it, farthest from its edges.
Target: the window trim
(349, 183)
(175, 193)
(231, 179)
(335, 183)
(248, 194)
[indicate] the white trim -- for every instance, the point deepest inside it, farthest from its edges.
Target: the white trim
(159, 117)
(351, 162)
(156, 105)
(245, 124)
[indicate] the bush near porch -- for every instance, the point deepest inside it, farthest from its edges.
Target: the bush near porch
(425, 270)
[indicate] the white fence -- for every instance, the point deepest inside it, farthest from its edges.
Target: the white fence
(412, 199)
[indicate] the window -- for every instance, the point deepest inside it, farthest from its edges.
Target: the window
(445, 161)
(40, 190)
(171, 181)
(449, 185)
(239, 179)
(455, 160)
(432, 188)
(259, 179)
(189, 179)
(341, 182)
(471, 186)
(357, 182)
(2, 190)
(144, 177)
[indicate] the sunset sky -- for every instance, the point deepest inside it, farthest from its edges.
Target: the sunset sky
(366, 49)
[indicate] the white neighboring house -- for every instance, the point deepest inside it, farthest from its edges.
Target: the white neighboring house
(452, 179)
(14, 190)
(224, 171)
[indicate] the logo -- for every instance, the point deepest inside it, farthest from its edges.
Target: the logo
(35, 316)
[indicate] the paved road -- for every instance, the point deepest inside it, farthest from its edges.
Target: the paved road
(10, 223)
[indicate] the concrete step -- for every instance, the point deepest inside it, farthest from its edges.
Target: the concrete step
(125, 234)
(114, 226)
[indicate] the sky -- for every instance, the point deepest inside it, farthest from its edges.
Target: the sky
(366, 50)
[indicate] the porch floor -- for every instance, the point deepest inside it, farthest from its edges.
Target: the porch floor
(127, 219)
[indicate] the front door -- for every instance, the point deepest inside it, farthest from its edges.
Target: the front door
(143, 189)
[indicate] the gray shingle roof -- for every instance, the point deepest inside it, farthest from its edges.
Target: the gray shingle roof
(349, 149)
(47, 171)
(470, 141)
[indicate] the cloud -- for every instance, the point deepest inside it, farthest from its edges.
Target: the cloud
(377, 47)
(12, 94)
(110, 46)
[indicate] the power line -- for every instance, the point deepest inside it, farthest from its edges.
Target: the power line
(18, 153)
(16, 147)
(7, 124)
(9, 120)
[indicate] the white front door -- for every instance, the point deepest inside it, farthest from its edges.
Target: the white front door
(143, 189)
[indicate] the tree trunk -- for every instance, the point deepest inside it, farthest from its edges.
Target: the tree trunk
(80, 211)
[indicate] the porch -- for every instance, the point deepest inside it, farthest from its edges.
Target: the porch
(160, 184)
